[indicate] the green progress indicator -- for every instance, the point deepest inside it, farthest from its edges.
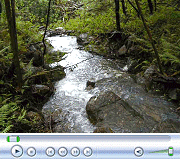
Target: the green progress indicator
(13, 139)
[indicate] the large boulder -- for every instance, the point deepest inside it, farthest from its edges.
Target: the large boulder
(57, 73)
(109, 109)
(128, 107)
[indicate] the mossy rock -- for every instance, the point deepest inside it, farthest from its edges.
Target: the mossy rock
(57, 73)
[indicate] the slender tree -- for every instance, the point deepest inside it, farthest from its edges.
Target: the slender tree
(123, 7)
(117, 15)
(47, 23)
(150, 37)
(0, 8)
(134, 7)
(155, 5)
(150, 4)
(10, 13)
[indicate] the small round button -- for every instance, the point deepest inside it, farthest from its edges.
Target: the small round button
(87, 151)
(138, 151)
(63, 151)
(17, 151)
(31, 151)
(75, 152)
(50, 151)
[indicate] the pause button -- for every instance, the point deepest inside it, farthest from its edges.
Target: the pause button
(75, 152)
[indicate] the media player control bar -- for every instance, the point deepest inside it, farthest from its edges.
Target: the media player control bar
(84, 146)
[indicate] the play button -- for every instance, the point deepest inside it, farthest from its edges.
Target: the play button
(17, 151)
(138, 151)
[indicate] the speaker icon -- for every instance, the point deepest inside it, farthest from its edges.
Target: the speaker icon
(138, 151)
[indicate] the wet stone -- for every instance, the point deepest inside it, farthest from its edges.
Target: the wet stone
(109, 109)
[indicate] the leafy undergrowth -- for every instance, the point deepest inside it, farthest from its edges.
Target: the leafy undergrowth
(15, 117)
(20, 110)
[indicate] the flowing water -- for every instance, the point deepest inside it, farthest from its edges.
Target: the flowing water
(71, 94)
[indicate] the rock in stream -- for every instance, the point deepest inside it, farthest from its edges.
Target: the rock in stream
(130, 109)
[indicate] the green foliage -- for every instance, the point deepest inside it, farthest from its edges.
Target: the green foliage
(15, 106)
(27, 33)
(7, 116)
(165, 26)
(29, 72)
(28, 10)
(96, 20)
(13, 116)
(54, 57)
(36, 11)
(98, 17)
(170, 55)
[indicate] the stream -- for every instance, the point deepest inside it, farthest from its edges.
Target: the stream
(67, 107)
(71, 94)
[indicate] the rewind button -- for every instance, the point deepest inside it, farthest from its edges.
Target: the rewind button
(63, 151)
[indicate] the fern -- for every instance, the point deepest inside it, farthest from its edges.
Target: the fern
(170, 51)
(6, 116)
(28, 69)
(168, 57)
(7, 129)
(5, 49)
(22, 115)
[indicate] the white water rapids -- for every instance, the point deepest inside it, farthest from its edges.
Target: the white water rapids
(71, 95)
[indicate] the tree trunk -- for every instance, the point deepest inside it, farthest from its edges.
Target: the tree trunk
(123, 7)
(150, 6)
(47, 22)
(0, 8)
(155, 5)
(10, 13)
(117, 15)
(150, 37)
(0, 11)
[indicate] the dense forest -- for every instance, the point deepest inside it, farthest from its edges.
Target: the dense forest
(152, 26)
